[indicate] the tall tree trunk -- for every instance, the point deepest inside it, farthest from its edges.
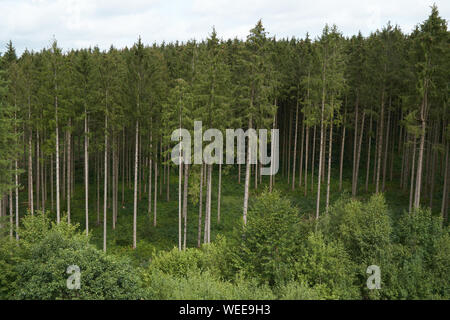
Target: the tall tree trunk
(136, 154)
(369, 148)
(321, 151)
(58, 207)
(380, 144)
(341, 161)
(209, 191)
(300, 176)
(185, 203)
(200, 204)
(219, 192)
(444, 206)
(37, 171)
(355, 146)
(105, 188)
(358, 157)
(306, 160)
(386, 149)
(312, 160)
(180, 175)
(113, 182)
(155, 193)
(30, 165)
(150, 169)
(86, 171)
(11, 214)
(247, 175)
(420, 159)
(295, 145)
(329, 166)
(412, 176)
(272, 154)
(68, 171)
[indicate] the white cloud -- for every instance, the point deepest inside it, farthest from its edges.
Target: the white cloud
(80, 23)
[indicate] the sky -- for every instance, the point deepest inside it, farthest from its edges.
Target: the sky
(33, 24)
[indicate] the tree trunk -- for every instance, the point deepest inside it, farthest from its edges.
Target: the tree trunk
(358, 157)
(136, 154)
(37, 171)
(355, 146)
(295, 145)
(420, 159)
(380, 144)
(369, 148)
(321, 151)
(86, 172)
(306, 160)
(412, 176)
(68, 171)
(329, 166)
(300, 176)
(341, 161)
(58, 208)
(155, 193)
(386, 150)
(219, 192)
(105, 188)
(185, 203)
(312, 160)
(444, 206)
(200, 204)
(247, 175)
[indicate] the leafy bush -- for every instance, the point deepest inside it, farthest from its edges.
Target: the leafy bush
(43, 271)
(327, 267)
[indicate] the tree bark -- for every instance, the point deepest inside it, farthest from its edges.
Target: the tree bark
(329, 166)
(295, 145)
(185, 202)
(105, 188)
(247, 175)
(341, 161)
(200, 204)
(86, 171)
(219, 192)
(136, 159)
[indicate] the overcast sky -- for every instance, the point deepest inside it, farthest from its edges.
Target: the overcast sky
(82, 23)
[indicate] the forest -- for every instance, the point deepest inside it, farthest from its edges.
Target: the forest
(87, 178)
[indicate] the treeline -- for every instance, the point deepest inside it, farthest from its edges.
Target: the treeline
(105, 118)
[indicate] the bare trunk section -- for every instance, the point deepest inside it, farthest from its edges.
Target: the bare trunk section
(68, 171)
(219, 192)
(86, 171)
(412, 176)
(295, 145)
(200, 204)
(341, 161)
(329, 166)
(247, 175)
(185, 202)
(136, 159)
(380, 144)
(369, 148)
(105, 188)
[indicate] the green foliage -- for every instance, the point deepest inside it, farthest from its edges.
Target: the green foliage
(266, 246)
(43, 269)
